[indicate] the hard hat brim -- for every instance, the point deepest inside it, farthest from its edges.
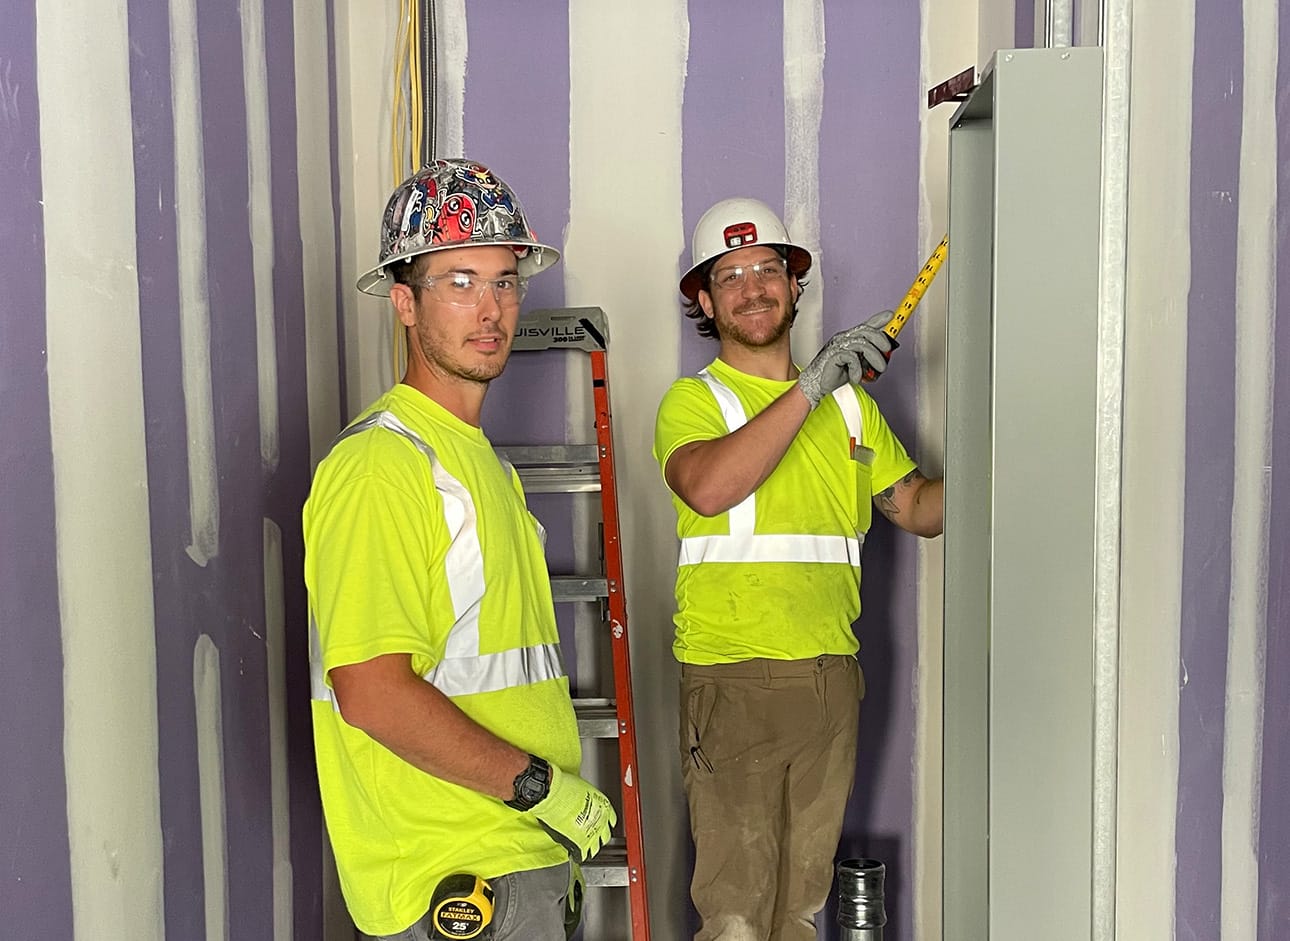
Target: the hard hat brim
(798, 258)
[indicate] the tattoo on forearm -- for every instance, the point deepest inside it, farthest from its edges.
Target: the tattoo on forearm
(887, 499)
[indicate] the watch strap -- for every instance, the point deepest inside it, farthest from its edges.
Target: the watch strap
(531, 785)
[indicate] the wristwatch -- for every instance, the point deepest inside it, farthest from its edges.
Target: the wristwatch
(531, 785)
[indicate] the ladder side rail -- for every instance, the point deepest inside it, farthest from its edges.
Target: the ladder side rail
(621, 650)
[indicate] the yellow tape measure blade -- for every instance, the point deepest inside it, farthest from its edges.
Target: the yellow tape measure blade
(916, 290)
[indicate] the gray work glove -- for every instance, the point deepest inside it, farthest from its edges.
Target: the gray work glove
(844, 358)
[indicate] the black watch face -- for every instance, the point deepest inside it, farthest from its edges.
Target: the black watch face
(532, 790)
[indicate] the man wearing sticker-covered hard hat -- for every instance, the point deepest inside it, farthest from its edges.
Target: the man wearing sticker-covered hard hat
(445, 736)
(774, 471)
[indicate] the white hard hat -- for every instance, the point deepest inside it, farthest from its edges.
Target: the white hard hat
(738, 223)
(454, 203)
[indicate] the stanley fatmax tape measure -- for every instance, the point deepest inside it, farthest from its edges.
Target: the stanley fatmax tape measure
(461, 909)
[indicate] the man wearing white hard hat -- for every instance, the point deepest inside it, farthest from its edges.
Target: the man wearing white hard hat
(774, 471)
(446, 743)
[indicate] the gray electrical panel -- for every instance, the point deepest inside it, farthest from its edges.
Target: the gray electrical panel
(1025, 208)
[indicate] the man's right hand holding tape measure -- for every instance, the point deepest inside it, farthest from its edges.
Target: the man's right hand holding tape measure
(857, 354)
(861, 353)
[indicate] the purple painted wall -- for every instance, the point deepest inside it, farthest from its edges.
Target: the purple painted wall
(869, 231)
(224, 599)
(1023, 36)
(517, 115)
(35, 881)
(733, 145)
(1211, 352)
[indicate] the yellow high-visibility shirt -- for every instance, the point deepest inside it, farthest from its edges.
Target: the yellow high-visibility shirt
(786, 585)
(401, 542)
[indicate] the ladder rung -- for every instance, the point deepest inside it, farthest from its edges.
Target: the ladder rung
(570, 479)
(556, 468)
(542, 454)
(597, 718)
(609, 866)
(578, 588)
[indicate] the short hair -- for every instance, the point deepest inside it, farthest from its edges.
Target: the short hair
(410, 271)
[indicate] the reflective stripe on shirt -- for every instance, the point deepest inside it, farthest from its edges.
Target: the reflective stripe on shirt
(463, 669)
(743, 544)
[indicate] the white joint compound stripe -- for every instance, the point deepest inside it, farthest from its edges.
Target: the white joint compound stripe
(313, 159)
(453, 49)
(275, 660)
(1059, 25)
(1109, 461)
(194, 301)
(101, 512)
(1154, 467)
(947, 42)
(207, 703)
(803, 112)
(255, 82)
(615, 50)
(1256, 276)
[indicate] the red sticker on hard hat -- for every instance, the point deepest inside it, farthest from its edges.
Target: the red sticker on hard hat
(741, 233)
(456, 220)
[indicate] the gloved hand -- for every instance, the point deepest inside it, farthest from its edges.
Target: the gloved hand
(576, 814)
(844, 358)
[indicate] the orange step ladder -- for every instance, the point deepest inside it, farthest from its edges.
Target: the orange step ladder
(581, 468)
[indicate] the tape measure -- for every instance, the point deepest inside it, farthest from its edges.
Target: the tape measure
(916, 290)
(461, 908)
(906, 307)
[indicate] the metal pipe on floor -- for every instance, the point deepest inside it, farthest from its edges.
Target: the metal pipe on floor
(861, 913)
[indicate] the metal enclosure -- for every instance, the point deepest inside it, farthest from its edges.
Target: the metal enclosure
(1025, 154)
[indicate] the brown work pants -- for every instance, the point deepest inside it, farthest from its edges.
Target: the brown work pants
(768, 754)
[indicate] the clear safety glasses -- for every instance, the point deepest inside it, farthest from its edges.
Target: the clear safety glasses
(462, 289)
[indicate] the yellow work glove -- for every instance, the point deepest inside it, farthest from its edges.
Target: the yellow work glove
(573, 900)
(576, 814)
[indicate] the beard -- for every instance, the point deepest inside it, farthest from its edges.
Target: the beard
(734, 328)
(454, 364)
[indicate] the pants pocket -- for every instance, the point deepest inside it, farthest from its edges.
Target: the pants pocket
(697, 700)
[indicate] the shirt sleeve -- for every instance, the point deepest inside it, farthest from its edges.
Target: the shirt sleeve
(891, 461)
(371, 545)
(688, 412)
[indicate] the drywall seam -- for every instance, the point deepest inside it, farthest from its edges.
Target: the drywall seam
(194, 300)
(947, 45)
(275, 658)
(1256, 273)
(453, 48)
(98, 440)
(255, 83)
(1109, 457)
(617, 50)
(207, 709)
(1154, 466)
(365, 39)
(313, 179)
(1058, 23)
(803, 111)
